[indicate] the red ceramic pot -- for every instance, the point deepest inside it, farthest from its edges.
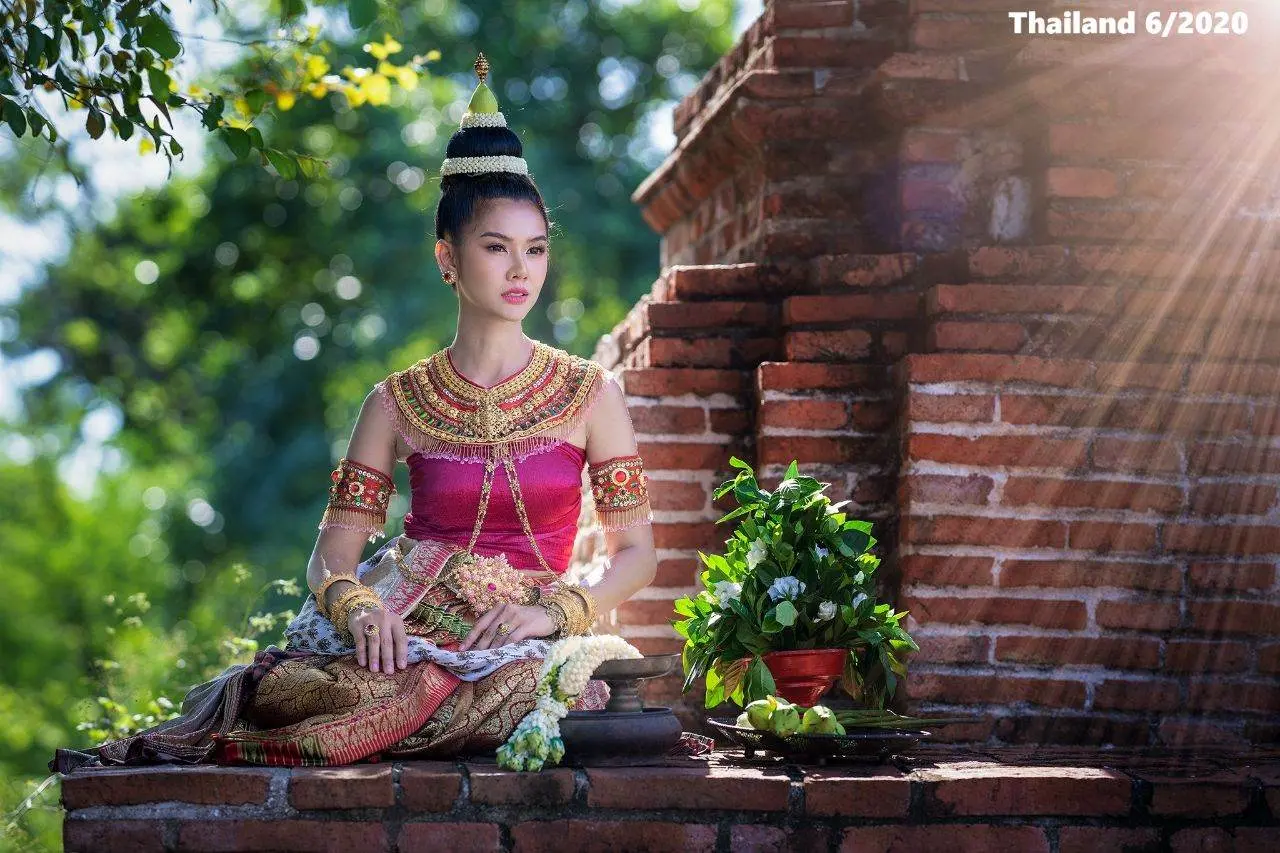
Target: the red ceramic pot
(802, 676)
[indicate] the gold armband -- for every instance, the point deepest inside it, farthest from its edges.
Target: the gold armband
(620, 491)
(358, 499)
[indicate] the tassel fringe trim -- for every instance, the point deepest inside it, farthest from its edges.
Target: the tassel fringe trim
(615, 521)
(369, 523)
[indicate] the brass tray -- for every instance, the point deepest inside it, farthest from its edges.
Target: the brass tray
(857, 744)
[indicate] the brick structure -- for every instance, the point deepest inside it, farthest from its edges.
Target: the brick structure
(1015, 298)
(960, 801)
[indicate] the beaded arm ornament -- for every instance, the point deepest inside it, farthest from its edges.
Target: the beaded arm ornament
(358, 499)
(619, 489)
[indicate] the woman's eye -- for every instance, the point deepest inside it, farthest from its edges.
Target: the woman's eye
(495, 246)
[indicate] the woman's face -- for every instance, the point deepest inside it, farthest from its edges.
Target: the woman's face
(505, 250)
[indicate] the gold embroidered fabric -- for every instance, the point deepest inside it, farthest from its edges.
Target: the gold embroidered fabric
(621, 492)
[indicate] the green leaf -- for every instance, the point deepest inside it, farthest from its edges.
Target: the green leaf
(36, 121)
(785, 613)
(738, 463)
(255, 138)
(16, 117)
(157, 35)
(256, 99)
(362, 12)
(124, 127)
(35, 45)
(159, 81)
(290, 9)
(684, 606)
(95, 123)
(213, 112)
(237, 140)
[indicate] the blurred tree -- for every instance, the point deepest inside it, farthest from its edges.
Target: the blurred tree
(235, 319)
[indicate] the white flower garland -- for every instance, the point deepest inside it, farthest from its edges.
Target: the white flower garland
(565, 672)
(470, 119)
(496, 163)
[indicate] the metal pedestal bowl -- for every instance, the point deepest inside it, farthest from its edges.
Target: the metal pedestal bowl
(625, 726)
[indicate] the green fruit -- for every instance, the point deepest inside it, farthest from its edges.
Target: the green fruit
(819, 720)
(839, 728)
(744, 721)
(761, 711)
(785, 720)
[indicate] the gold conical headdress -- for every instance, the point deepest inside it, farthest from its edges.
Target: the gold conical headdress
(482, 111)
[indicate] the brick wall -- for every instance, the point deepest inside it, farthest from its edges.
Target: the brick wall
(963, 802)
(1015, 298)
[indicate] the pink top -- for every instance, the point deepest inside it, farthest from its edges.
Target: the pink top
(446, 497)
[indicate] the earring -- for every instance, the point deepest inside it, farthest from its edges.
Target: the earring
(448, 278)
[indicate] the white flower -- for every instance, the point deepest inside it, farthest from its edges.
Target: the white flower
(756, 554)
(788, 587)
(826, 610)
(727, 591)
(820, 551)
(858, 599)
(859, 577)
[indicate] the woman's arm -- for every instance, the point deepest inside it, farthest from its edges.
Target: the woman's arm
(632, 558)
(338, 549)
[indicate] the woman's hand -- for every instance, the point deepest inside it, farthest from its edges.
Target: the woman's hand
(389, 647)
(508, 623)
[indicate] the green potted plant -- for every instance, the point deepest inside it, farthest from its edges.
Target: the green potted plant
(790, 605)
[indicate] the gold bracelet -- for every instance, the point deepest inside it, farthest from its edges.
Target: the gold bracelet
(589, 602)
(348, 601)
(556, 614)
(574, 608)
(360, 603)
(330, 580)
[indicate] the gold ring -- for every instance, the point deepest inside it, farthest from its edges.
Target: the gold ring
(504, 628)
(371, 630)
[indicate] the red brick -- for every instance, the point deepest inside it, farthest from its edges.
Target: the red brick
(1220, 458)
(361, 786)
(1019, 299)
(998, 369)
(91, 836)
(937, 570)
(1184, 732)
(940, 488)
(495, 787)
(812, 376)
(851, 344)
(1108, 839)
(676, 495)
(803, 414)
(1133, 695)
(668, 420)
(1233, 498)
(1072, 182)
(1091, 494)
(872, 415)
(997, 610)
(773, 839)
(954, 838)
(454, 837)
(1138, 615)
(684, 455)
(848, 792)
(863, 270)
(1268, 657)
(1030, 263)
(612, 836)
(1000, 790)
(1205, 656)
(657, 645)
(994, 532)
(1106, 536)
(729, 421)
(976, 336)
(646, 611)
(850, 308)
(1233, 696)
(951, 34)
(1226, 539)
(835, 450)
(678, 534)
(687, 788)
(943, 648)
(1159, 577)
(1231, 577)
(430, 786)
(1207, 795)
(1235, 617)
(303, 836)
(1113, 652)
(948, 408)
(125, 786)
(678, 352)
(697, 316)
(997, 450)
(673, 382)
(1120, 454)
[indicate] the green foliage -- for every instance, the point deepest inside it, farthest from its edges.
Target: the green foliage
(796, 574)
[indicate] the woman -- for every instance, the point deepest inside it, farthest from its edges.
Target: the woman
(432, 647)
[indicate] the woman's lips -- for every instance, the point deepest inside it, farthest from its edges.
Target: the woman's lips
(515, 297)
